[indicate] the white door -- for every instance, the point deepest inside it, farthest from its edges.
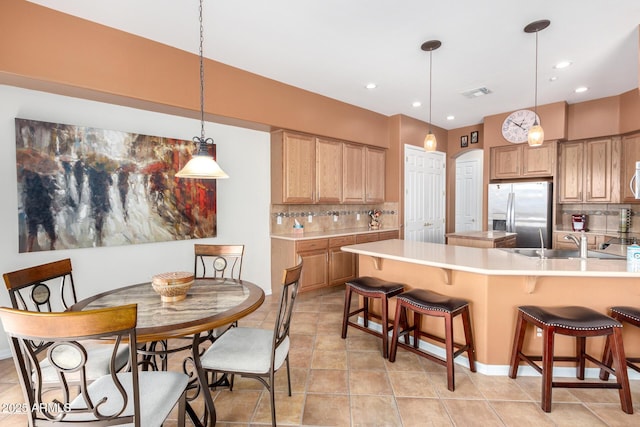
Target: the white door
(424, 198)
(468, 205)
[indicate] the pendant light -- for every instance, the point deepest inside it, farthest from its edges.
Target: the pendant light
(430, 142)
(535, 136)
(202, 165)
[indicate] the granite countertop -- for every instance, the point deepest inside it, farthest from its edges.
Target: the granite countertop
(482, 235)
(307, 235)
(490, 261)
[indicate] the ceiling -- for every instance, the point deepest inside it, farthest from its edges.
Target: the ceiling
(336, 47)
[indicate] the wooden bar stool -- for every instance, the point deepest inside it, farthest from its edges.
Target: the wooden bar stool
(622, 314)
(429, 303)
(578, 322)
(370, 288)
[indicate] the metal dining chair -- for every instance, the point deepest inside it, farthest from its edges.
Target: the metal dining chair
(253, 352)
(141, 398)
(50, 288)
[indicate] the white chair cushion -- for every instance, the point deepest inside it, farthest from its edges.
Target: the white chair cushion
(244, 350)
(159, 392)
(98, 359)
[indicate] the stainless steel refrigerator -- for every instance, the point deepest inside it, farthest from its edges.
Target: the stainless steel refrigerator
(523, 208)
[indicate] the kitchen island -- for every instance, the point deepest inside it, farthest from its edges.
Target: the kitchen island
(496, 282)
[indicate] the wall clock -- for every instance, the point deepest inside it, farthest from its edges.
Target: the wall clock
(516, 126)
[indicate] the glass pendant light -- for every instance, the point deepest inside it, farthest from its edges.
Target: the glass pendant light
(430, 143)
(535, 136)
(202, 165)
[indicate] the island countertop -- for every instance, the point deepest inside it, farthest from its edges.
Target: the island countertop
(489, 261)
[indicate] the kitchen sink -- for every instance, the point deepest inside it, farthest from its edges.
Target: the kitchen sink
(563, 253)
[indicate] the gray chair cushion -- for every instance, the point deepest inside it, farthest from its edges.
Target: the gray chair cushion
(244, 350)
(159, 392)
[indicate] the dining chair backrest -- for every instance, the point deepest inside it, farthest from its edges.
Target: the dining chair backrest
(65, 334)
(44, 288)
(290, 286)
(218, 261)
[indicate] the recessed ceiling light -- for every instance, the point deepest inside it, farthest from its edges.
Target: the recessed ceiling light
(562, 64)
(581, 89)
(451, 117)
(371, 86)
(416, 104)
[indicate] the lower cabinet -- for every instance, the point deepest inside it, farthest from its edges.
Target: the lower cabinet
(594, 241)
(324, 263)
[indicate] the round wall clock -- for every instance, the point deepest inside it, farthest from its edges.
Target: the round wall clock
(516, 126)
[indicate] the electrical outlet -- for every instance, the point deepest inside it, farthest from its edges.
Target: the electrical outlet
(357, 217)
(538, 332)
(335, 218)
(279, 220)
(310, 218)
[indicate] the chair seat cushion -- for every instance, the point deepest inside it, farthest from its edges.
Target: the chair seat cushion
(244, 350)
(631, 314)
(570, 317)
(429, 300)
(373, 284)
(159, 392)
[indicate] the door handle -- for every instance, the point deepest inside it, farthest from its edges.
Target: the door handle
(427, 224)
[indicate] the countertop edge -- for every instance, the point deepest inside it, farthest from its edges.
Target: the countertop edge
(329, 234)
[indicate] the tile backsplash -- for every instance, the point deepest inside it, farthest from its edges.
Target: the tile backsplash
(330, 217)
(600, 218)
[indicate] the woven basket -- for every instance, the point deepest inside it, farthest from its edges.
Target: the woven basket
(172, 286)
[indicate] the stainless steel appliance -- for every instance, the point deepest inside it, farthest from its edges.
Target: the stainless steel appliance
(523, 208)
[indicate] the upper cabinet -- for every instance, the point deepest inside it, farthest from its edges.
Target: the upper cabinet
(587, 171)
(522, 161)
(630, 155)
(306, 169)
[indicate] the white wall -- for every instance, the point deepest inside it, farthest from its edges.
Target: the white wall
(243, 199)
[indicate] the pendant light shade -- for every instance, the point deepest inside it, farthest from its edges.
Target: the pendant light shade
(430, 143)
(535, 136)
(202, 165)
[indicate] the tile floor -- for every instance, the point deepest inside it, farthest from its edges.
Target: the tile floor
(340, 382)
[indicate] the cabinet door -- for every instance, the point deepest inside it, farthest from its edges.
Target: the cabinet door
(630, 154)
(328, 171)
(386, 235)
(538, 161)
(353, 173)
(598, 170)
(570, 172)
(506, 162)
(299, 175)
(315, 271)
(342, 266)
(374, 175)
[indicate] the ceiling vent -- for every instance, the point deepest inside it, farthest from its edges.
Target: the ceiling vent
(474, 93)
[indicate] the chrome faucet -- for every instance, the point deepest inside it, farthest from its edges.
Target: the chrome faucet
(580, 243)
(541, 244)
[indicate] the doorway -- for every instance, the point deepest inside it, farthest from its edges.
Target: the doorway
(468, 206)
(424, 195)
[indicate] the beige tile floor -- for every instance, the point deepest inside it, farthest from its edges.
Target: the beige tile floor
(340, 382)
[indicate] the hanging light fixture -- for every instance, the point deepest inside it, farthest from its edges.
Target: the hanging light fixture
(430, 142)
(535, 136)
(202, 165)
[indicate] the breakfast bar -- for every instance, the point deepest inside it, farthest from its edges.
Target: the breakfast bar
(497, 281)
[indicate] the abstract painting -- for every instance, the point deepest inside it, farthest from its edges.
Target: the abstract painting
(81, 187)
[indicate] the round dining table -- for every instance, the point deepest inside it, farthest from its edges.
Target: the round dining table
(210, 303)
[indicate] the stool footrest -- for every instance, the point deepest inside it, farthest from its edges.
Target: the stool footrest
(585, 384)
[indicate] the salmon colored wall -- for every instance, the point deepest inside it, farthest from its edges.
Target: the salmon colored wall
(630, 111)
(590, 119)
(49, 50)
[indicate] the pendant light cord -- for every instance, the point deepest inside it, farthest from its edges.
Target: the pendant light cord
(430, 88)
(202, 138)
(536, 81)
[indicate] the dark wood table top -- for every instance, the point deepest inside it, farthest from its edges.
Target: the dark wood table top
(210, 303)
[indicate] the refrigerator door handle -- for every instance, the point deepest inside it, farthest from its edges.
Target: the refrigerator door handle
(510, 213)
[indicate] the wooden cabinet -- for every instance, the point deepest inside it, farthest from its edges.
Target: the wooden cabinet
(374, 174)
(630, 154)
(586, 172)
(388, 235)
(315, 271)
(559, 242)
(328, 171)
(522, 161)
(309, 170)
(293, 168)
(342, 265)
(353, 173)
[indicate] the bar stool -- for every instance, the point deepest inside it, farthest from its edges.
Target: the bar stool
(370, 288)
(622, 314)
(429, 303)
(578, 322)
